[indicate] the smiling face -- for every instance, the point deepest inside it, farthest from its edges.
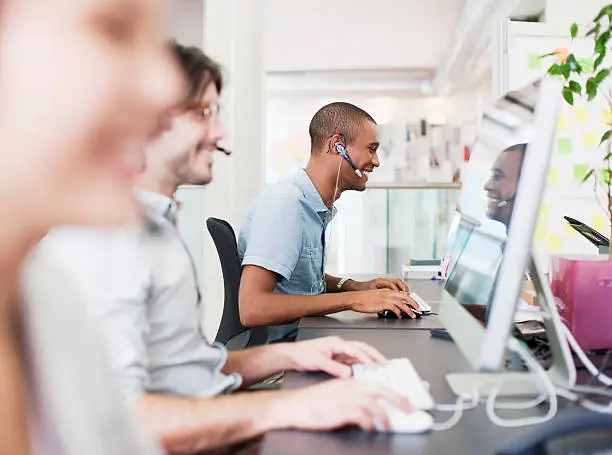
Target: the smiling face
(184, 151)
(363, 153)
(83, 85)
(502, 185)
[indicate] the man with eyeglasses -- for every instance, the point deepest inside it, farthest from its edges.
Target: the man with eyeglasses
(141, 287)
(283, 240)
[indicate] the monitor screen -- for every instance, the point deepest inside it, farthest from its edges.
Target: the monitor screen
(478, 235)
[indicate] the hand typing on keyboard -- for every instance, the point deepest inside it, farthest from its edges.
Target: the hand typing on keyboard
(400, 376)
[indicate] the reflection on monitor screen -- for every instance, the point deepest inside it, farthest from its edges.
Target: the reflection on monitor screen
(475, 244)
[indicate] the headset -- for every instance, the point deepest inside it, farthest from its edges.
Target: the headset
(506, 202)
(344, 154)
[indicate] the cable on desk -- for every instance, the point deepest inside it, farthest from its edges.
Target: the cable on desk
(544, 382)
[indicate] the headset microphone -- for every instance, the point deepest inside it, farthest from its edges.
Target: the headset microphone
(505, 202)
(342, 151)
(224, 150)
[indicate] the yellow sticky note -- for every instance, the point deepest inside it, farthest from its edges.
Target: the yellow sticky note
(562, 123)
(540, 233)
(554, 243)
(598, 223)
(606, 117)
(581, 115)
(590, 139)
(553, 175)
(544, 212)
(569, 230)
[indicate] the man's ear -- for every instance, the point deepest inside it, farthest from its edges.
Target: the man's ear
(335, 140)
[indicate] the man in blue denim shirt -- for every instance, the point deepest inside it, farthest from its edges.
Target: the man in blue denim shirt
(282, 241)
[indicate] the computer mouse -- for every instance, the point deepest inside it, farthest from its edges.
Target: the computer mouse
(388, 314)
(416, 421)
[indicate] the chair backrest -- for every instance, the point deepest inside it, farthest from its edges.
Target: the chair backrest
(231, 331)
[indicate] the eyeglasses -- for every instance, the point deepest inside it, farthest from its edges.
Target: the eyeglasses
(206, 112)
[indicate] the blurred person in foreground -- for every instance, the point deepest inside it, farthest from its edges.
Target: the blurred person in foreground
(81, 82)
(140, 285)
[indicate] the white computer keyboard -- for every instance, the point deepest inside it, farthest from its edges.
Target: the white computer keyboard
(400, 376)
(422, 303)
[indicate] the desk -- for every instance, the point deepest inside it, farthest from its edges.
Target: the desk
(433, 358)
(430, 291)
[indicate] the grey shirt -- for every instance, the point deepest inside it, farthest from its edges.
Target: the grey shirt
(74, 405)
(140, 286)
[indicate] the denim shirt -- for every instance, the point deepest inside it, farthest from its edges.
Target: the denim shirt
(284, 232)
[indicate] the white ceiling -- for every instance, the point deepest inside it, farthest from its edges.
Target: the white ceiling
(357, 34)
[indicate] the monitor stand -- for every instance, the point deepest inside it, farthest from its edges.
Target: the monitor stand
(562, 371)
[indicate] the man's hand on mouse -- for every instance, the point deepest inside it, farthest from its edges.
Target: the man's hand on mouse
(395, 284)
(375, 301)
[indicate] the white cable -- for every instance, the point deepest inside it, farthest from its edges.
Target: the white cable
(606, 380)
(544, 382)
(521, 404)
(463, 403)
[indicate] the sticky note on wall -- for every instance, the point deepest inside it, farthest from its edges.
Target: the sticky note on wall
(554, 243)
(553, 175)
(580, 170)
(606, 117)
(540, 233)
(581, 115)
(561, 123)
(534, 62)
(543, 213)
(586, 64)
(564, 145)
(590, 139)
(599, 223)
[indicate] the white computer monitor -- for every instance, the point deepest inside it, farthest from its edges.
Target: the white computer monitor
(490, 243)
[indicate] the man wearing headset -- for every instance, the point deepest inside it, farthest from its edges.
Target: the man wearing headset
(503, 183)
(283, 240)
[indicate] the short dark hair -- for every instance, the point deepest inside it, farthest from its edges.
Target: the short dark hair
(522, 148)
(337, 118)
(199, 69)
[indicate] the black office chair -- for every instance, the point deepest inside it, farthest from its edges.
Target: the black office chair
(231, 331)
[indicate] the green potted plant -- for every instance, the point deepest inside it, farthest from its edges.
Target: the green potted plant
(583, 285)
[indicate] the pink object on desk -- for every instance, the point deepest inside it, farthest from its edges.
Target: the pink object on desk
(582, 286)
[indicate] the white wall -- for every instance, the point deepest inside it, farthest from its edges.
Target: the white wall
(232, 35)
(341, 34)
(187, 22)
(565, 12)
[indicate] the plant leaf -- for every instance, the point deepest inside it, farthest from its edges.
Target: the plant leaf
(575, 87)
(591, 89)
(568, 95)
(554, 69)
(574, 30)
(599, 77)
(565, 70)
(605, 137)
(594, 30)
(600, 45)
(573, 64)
(608, 156)
(598, 61)
(550, 54)
(587, 175)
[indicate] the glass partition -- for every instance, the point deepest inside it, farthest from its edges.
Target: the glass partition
(377, 231)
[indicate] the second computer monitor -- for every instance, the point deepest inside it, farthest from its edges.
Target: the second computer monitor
(489, 246)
